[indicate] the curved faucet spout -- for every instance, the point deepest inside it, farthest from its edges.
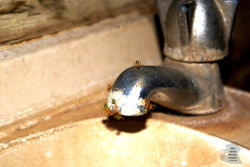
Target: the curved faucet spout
(172, 86)
(196, 34)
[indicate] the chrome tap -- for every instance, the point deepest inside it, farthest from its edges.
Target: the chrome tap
(196, 34)
(196, 30)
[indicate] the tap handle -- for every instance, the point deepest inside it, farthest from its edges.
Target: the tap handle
(196, 30)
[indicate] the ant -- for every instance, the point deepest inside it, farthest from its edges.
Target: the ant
(117, 114)
(118, 117)
(106, 109)
(140, 84)
(109, 87)
(148, 106)
(138, 64)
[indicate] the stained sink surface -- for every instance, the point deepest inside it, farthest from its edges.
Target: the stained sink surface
(104, 142)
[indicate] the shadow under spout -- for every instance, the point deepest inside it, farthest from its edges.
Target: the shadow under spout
(190, 88)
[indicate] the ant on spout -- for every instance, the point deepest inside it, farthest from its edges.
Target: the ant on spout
(116, 114)
(138, 64)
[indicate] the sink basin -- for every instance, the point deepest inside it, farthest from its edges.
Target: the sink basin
(80, 134)
(106, 142)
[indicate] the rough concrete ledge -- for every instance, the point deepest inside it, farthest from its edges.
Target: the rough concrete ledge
(47, 72)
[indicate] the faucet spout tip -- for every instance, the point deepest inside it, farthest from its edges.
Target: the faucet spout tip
(120, 103)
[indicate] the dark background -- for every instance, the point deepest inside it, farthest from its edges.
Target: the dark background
(235, 68)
